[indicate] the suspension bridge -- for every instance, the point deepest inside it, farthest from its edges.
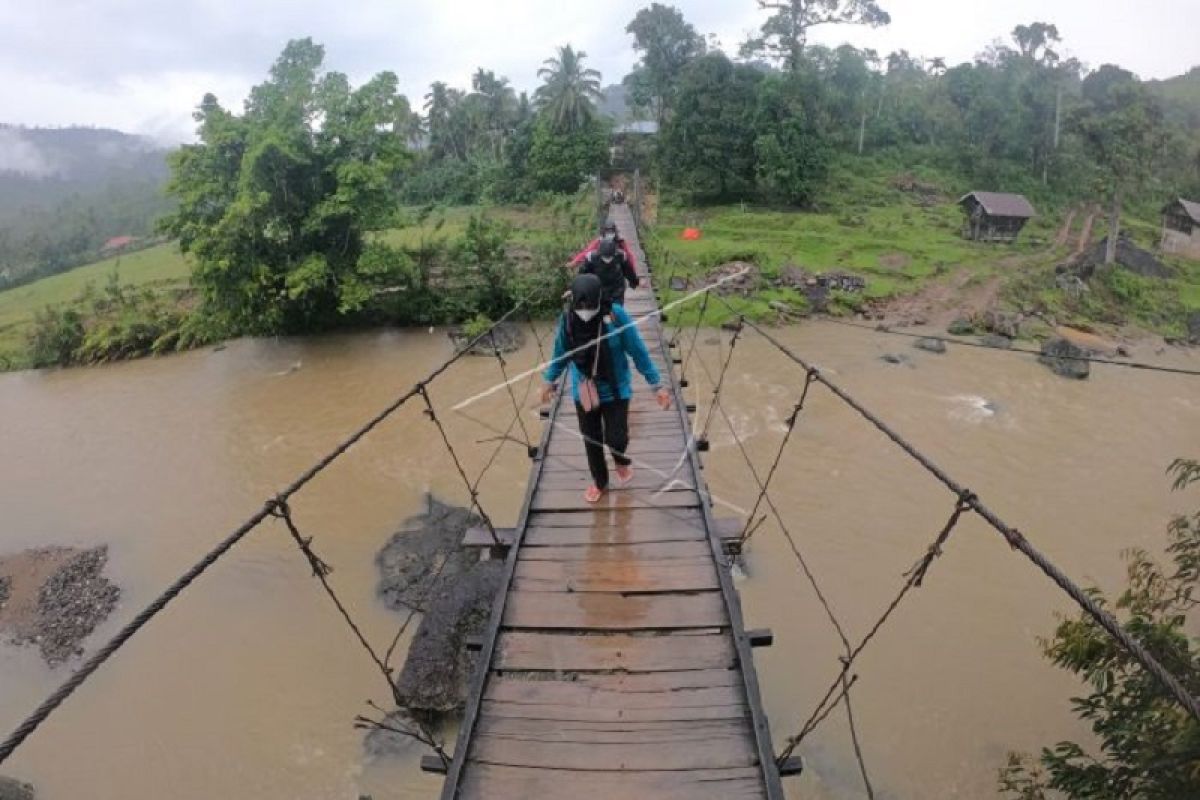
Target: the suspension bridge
(616, 662)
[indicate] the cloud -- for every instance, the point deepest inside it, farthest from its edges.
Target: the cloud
(142, 65)
(18, 154)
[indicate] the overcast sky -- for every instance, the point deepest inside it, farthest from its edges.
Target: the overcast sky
(142, 65)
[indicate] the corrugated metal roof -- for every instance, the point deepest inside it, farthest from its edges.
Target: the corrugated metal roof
(999, 204)
(648, 127)
(1192, 209)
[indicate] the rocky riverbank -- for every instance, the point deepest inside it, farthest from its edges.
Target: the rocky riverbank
(54, 597)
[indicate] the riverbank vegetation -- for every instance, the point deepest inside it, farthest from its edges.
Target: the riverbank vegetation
(1146, 745)
(323, 205)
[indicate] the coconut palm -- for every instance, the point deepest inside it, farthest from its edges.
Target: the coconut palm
(570, 91)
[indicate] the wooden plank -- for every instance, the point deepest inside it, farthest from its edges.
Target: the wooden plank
(661, 464)
(728, 751)
(599, 552)
(612, 576)
(540, 537)
(631, 518)
(571, 693)
(572, 499)
(518, 783)
(541, 730)
(556, 651)
(659, 681)
(614, 612)
(495, 709)
(643, 480)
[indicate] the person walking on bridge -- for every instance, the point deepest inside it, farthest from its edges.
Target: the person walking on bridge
(597, 340)
(607, 231)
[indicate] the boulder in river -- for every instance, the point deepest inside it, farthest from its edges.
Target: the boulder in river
(893, 358)
(930, 345)
(15, 790)
(507, 337)
(961, 326)
(1193, 327)
(997, 341)
(438, 668)
(424, 550)
(1065, 358)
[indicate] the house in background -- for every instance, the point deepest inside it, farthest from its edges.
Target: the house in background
(1181, 228)
(995, 216)
(117, 244)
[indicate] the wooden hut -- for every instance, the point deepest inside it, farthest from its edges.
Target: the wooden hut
(1181, 228)
(994, 216)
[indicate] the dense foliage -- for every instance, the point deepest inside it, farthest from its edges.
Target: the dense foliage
(1149, 747)
(275, 203)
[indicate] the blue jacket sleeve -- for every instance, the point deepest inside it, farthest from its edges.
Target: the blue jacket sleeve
(632, 343)
(559, 361)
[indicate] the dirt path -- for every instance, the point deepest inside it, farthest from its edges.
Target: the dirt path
(964, 294)
(1085, 235)
(1064, 233)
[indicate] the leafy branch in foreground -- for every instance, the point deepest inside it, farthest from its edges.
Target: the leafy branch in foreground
(1149, 747)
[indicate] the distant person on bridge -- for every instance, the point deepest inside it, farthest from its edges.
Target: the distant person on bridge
(597, 340)
(608, 231)
(608, 263)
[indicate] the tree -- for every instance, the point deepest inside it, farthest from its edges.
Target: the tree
(274, 204)
(497, 108)
(708, 145)
(1122, 127)
(1149, 745)
(1034, 41)
(570, 90)
(666, 43)
(561, 162)
(785, 33)
(441, 104)
(791, 159)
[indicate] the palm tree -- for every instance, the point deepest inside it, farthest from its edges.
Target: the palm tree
(497, 105)
(570, 91)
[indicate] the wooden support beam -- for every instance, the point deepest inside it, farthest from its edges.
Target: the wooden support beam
(760, 637)
(480, 536)
(792, 765)
(432, 763)
(474, 642)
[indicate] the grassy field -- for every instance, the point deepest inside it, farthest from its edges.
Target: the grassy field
(900, 240)
(162, 265)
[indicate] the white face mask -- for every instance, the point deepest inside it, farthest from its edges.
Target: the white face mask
(587, 314)
(606, 259)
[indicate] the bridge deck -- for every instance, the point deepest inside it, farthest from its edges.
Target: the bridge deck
(615, 664)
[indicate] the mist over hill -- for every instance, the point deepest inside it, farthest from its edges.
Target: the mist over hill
(65, 191)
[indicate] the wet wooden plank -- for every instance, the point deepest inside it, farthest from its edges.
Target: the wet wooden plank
(560, 536)
(655, 463)
(721, 751)
(615, 577)
(631, 518)
(495, 709)
(519, 783)
(582, 731)
(556, 651)
(614, 612)
(643, 479)
(600, 552)
(570, 499)
(660, 681)
(572, 693)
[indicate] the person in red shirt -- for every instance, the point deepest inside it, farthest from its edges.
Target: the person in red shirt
(609, 230)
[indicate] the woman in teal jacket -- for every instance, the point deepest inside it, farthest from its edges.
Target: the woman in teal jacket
(597, 346)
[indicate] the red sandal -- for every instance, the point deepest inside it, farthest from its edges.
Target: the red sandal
(593, 494)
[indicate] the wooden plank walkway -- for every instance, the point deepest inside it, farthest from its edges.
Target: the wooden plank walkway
(616, 664)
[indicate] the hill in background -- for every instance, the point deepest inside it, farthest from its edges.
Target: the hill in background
(64, 192)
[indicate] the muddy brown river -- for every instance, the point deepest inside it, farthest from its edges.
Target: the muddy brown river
(247, 685)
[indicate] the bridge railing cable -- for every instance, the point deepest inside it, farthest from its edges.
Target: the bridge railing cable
(1013, 536)
(269, 508)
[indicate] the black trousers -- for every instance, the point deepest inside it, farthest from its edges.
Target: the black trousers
(606, 425)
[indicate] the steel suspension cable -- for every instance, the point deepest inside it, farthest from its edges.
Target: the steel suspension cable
(89, 667)
(1013, 536)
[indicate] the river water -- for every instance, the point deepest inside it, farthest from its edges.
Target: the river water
(247, 685)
